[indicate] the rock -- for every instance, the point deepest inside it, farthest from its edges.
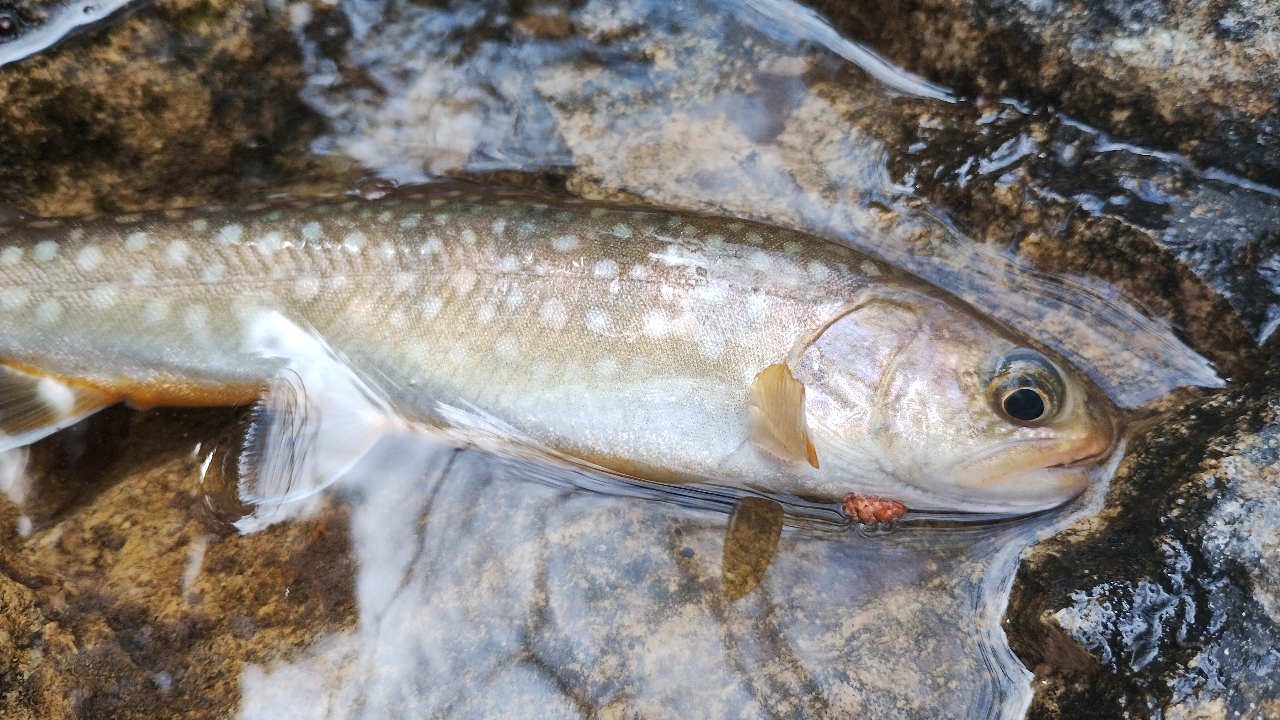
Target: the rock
(1168, 600)
(1195, 77)
(184, 102)
(125, 604)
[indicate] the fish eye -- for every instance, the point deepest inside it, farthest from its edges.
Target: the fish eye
(1026, 388)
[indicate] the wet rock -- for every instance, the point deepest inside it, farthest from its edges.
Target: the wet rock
(1167, 601)
(127, 606)
(183, 102)
(1196, 77)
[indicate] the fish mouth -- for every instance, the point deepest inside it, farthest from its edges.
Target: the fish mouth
(1026, 457)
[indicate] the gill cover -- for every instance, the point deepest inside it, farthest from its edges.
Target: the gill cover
(912, 397)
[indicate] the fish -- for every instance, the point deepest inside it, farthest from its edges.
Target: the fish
(648, 343)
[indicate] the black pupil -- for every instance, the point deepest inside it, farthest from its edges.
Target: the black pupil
(1025, 404)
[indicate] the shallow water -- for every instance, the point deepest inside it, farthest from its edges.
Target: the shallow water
(485, 588)
(483, 591)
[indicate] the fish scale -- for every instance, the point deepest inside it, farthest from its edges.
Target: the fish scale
(621, 339)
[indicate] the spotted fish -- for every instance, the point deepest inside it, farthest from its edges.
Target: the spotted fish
(667, 346)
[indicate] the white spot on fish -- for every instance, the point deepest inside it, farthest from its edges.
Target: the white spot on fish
(396, 318)
(177, 253)
(410, 222)
(200, 225)
(127, 218)
(104, 297)
(638, 272)
(753, 238)
(499, 226)
(143, 276)
(353, 241)
(418, 352)
(306, 287)
(515, 298)
(598, 321)
(606, 367)
(88, 258)
(135, 242)
(48, 311)
(76, 234)
(656, 323)
(869, 269)
(156, 310)
(431, 306)
(58, 397)
(196, 320)
(715, 242)
(458, 353)
(507, 348)
(11, 255)
(818, 271)
(230, 234)
(553, 314)
(597, 212)
(432, 245)
(387, 252)
(508, 263)
(606, 269)
(761, 261)
(757, 306)
(270, 243)
(312, 231)
(564, 243)
(384, 216)
(45, 251)
(792, 248)
(622, 231)
(468, 237)
(464, 280)
(12, 298)
(213, 272)
(486, 313)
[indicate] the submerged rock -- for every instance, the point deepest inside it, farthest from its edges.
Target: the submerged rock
(1168, 600)
(124, 603)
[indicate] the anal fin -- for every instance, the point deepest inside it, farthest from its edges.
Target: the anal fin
(776, 407)
(33, 406)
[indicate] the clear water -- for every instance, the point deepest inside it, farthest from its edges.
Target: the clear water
(489, 589)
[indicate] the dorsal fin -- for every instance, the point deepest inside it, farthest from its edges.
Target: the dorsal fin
(33, 406)
(778, 427)
(749, 543)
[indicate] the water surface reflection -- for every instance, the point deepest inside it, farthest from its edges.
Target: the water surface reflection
(485, 592)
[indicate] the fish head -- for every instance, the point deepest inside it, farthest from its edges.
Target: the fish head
(914, 390)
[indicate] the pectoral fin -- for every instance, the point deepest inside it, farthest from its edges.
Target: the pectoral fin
(33, 406)
(778, 427)
(316, 419)
(749, 543)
